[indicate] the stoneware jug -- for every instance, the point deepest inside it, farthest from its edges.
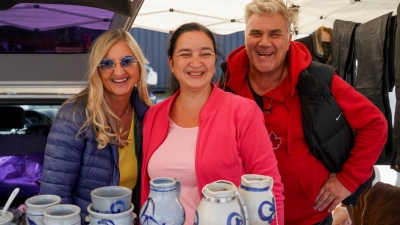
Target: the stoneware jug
(163, 205)
(221, 204)
(256, 191)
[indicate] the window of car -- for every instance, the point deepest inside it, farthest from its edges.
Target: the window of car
(44, 52)
(51, 28)
(32, 32)
(44, 46)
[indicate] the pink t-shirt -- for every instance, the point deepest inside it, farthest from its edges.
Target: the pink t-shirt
(175, 158)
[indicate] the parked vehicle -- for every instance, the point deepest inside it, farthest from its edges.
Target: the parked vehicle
(43, 59)
(152, 79)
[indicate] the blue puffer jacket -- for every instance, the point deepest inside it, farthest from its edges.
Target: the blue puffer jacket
(73, 167)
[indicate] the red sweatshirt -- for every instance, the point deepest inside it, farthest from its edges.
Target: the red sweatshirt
(302, 174)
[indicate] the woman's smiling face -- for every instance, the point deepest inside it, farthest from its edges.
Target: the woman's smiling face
(119, 82)
(193, 60)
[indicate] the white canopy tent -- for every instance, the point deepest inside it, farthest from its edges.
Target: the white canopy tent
(221, 16)
(226, 16)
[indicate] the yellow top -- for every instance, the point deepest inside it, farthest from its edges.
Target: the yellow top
(128, 171)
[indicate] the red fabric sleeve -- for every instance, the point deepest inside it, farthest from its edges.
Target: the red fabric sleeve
(371, 130)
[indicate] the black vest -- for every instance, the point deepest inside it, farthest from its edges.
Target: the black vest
(328, 135)
(326, 130)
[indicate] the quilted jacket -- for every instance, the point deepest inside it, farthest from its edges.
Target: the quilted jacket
(73, 167)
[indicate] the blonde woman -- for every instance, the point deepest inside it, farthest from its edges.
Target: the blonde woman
(96, 137)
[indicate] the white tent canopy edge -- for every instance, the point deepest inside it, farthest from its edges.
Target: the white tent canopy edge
(226, 16)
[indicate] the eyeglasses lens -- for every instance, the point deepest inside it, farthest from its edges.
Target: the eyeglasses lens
(127, 61)
(107, 64)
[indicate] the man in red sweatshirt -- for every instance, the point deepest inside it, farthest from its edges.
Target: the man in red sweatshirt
(267, 69)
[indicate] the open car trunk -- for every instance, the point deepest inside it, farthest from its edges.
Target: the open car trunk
(43, 60)
(44, 44)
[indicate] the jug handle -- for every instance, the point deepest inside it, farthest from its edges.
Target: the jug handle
(244, 207)
(135, 218)
(178, 188)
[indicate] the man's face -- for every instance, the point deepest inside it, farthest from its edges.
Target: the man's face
(267, 42)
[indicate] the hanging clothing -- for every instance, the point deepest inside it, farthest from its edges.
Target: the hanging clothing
(372, 80)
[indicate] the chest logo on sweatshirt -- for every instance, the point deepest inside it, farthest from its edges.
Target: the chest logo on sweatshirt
(275, 140)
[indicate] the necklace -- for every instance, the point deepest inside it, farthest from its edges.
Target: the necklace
(126, 113)
(269, 109)
(128, 110)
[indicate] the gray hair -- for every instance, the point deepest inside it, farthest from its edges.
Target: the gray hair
(272, 7)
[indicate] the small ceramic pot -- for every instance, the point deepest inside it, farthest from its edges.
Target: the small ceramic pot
(111, 199)
(128, 217)
(64, 214)
(6, 218)
(36, 206)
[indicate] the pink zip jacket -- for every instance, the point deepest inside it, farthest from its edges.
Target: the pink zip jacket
(232, 141)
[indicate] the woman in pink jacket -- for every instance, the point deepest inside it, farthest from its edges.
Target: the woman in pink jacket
(202, 134)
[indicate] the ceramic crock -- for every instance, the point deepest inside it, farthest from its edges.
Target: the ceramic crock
(256, 191)
(163, 205)
(221, 204)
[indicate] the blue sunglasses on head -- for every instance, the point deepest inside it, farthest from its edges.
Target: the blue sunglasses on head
(107, 64)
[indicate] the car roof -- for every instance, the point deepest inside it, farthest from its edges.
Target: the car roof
(124, 7)
(49, 77)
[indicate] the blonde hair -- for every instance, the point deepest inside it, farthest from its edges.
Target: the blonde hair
(272, 7)
(100, 117)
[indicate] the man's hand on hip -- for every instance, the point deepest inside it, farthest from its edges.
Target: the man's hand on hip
(331, 194)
